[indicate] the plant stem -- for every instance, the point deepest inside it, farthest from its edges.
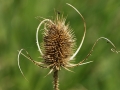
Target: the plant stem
(56, 80)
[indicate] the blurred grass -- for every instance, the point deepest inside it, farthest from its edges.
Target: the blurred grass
(17, 30)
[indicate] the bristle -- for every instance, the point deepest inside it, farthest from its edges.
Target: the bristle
(58, 42)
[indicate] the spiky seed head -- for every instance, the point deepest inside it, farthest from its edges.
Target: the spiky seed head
(59, 42)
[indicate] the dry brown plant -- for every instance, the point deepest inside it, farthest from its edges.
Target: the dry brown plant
(59, 46)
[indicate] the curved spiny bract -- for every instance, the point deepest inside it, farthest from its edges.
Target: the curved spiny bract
(59, 42)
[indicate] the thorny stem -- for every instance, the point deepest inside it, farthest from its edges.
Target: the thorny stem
(56, 80)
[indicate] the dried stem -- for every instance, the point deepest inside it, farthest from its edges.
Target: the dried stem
(56, 80)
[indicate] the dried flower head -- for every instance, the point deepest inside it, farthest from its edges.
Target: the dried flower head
(58, 43)
(58, 46)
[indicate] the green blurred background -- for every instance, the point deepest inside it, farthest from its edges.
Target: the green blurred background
(18, 28)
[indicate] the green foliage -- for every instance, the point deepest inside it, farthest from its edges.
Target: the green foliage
(17, 30)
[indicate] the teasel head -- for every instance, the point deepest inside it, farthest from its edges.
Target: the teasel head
(58, 48)
(59, 43)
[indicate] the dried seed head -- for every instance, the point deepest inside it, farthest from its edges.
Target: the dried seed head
(58, 46)
(59, 42)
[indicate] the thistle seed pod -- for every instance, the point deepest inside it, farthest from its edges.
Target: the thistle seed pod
(59, 43)
(59, 46)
